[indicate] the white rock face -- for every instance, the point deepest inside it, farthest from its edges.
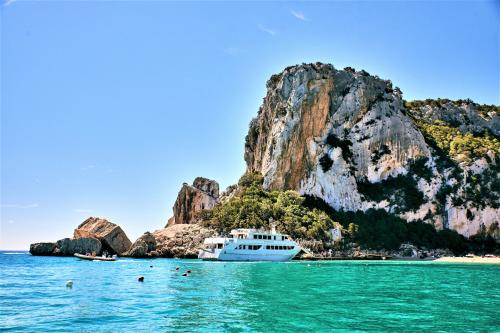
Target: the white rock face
(326, 132)
(333, 186)
(457, 217)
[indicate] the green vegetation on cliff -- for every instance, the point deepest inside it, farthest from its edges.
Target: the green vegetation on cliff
(483, 109)
(452, 136)
(458, 141)
(311, 218)
(460, 147)
(377, 229)
(253, 207)
(484, 189)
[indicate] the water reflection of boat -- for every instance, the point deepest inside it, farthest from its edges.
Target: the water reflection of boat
(86, 257)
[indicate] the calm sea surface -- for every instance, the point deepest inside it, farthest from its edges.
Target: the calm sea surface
(339, 296)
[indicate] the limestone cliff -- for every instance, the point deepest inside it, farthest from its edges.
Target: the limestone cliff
(203, 194)
(350, 139)
(463, 137)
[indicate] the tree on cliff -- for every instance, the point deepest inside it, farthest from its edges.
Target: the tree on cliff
(254, 207)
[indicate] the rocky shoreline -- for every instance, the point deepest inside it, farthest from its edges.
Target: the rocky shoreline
(175, 241)
(184, 241)
(353, 251)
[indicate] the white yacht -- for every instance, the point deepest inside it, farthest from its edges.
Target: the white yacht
(250, 245)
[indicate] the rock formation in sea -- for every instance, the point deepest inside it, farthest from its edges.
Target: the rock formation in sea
(94, 235)
(42, 249)
(67, 247)
(182, 236)
(143, 246)
(203, 194)
(349, 138)
(178, 240)
(112, 237)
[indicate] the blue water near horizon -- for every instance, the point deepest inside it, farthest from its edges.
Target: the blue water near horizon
(340, 296)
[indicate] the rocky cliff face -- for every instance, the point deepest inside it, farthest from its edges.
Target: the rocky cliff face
(348, 138)
(463, 137)
(203, 194)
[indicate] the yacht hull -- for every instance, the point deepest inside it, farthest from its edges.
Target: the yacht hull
(255, 257)
(229, 254)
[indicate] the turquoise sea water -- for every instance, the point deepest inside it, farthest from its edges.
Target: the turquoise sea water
(344, 296)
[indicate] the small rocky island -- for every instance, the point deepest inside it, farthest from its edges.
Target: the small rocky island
(347, 167)
(93, 235)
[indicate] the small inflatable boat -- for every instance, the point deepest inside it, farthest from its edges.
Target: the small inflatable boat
(85, 257)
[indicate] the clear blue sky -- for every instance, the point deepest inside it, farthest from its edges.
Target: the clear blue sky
(108, 107)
